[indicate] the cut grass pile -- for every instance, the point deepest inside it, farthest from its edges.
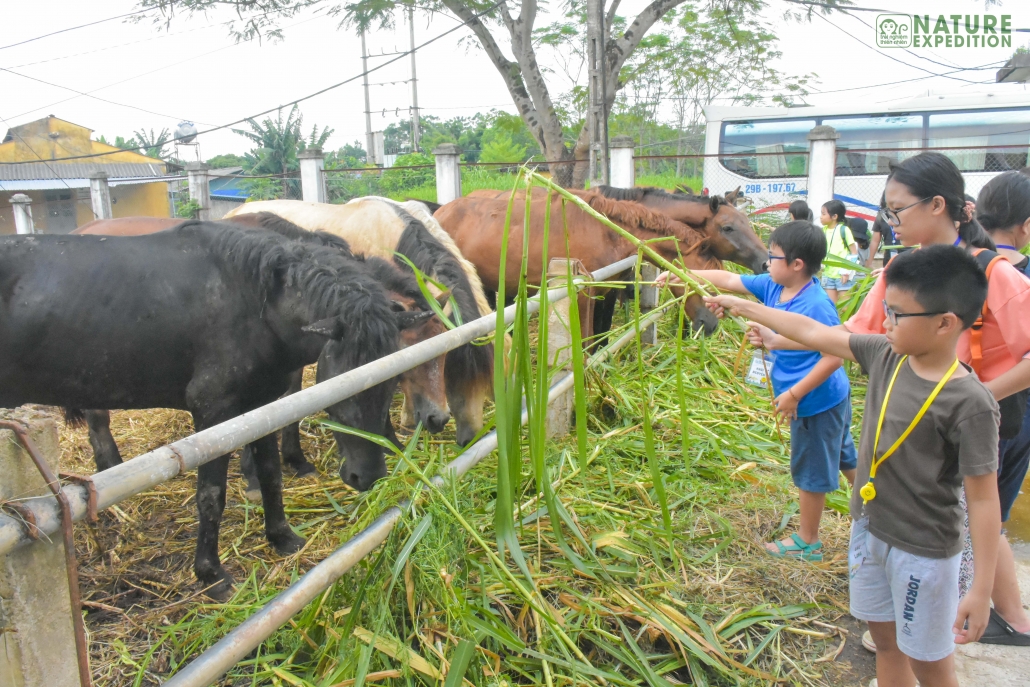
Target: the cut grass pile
(627, 553)
(710, 608)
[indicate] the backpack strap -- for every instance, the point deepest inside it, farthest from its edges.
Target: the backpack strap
(987, 260)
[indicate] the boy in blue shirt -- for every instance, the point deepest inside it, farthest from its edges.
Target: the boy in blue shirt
(812, 390)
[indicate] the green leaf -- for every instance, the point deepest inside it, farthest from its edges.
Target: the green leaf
(460, 659)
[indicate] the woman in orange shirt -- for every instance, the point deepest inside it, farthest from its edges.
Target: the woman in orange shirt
(926, 205)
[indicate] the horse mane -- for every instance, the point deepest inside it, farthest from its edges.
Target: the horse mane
(638, 193)
(289, 230)
(420, 211)
(635, 215)
(332, 282)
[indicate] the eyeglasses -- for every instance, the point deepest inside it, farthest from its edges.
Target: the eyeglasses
(895, 316)
(776, 257)
(891, 216)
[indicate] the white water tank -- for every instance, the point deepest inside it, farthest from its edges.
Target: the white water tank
(186, 132)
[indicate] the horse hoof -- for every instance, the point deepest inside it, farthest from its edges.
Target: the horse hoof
(253, 494)
(304, 469)
(219, 585)
(287, 543)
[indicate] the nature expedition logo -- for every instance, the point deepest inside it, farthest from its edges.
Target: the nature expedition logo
(943, 31)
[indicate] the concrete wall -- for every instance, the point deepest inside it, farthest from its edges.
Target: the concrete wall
(135, 200)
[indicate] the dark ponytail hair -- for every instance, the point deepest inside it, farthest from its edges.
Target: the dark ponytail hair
(835, 207)
(931, 174)
(1004, 202)
(799, 210)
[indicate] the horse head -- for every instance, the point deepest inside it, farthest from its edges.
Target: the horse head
(424, 385)
(363, 461)
(730, 237)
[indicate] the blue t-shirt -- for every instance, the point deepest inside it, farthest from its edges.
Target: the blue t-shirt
(789, 367)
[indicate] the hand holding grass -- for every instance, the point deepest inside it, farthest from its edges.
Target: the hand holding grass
(803, 330)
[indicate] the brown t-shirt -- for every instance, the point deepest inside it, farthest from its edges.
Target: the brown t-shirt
(917, 489)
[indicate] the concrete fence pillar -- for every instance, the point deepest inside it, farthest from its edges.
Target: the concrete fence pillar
(100, 195)
(312, 181)
(200, 187)
(559, 343)
(648, 301)
(624, 173)
(37, 637)
(448, 172)
(22, 206)
(822, 166)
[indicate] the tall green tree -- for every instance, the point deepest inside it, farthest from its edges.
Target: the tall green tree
(278, 141)
(153, 145)
(506, 31)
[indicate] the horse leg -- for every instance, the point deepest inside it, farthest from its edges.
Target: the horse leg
(251, 489)
(277, 529)
(293, 454)
(491, 298)
(604, 312)
(105, 450)
(211, 481)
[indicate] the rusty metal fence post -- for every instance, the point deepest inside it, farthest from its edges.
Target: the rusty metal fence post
(41, 630)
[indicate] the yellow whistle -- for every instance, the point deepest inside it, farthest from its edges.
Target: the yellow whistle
(867, 492)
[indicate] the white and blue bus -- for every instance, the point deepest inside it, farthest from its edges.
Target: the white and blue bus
(764, 150)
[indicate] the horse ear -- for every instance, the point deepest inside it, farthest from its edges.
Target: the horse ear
(442, 299)
(330, 327)
(409, 319)
(713, 204)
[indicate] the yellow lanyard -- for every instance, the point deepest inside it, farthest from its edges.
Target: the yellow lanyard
(868, 491)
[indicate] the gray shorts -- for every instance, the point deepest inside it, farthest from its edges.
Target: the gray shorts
(888, 585)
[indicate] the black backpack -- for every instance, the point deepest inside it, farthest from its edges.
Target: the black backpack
(860, 230)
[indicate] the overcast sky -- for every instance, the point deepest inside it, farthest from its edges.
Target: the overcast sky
(194, 70)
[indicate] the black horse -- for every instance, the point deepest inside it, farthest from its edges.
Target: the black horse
(207, 318)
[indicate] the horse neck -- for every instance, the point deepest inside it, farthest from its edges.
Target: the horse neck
(687, 212)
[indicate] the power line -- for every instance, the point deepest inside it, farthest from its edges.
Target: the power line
(119, 45)
(74, 28)
(911, 66)
(306, 97)
(839, 8)
(90, 94)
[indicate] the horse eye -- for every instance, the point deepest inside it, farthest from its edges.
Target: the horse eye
(726, 229)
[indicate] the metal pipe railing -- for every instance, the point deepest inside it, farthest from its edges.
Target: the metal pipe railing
(235, 646)
(150, 469)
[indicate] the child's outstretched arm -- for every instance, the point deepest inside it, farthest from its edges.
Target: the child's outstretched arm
(804, 330)
(787, 402)
(984, 524)
(720, 279)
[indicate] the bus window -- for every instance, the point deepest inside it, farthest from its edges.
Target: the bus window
(869, 133)
(983, 128)
(786, 140)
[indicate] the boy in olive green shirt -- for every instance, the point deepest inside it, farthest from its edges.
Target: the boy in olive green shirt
(929, 429)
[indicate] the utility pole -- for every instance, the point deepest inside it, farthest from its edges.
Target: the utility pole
(597, 116)
(416, 128)
(370, 155)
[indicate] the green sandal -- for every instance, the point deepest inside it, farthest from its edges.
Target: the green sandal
(799, 549)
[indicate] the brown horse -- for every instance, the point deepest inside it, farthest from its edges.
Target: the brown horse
(422, 385)
(728, 232)
(476, 222)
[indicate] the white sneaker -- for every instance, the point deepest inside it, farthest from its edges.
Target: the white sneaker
(868, 643)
